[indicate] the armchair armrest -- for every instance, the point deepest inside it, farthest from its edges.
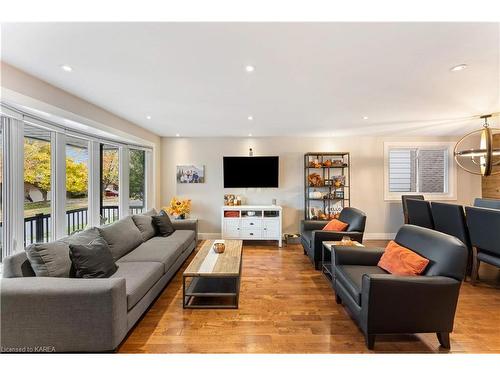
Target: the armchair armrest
(399, 304)
(362, 256)
(318, 236)
(62, 314)
(312, 225)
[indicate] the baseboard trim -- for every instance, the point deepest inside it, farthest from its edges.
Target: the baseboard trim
(209, 236)
(367, 236)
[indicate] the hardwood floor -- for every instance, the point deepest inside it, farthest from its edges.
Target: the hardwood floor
(288, 307)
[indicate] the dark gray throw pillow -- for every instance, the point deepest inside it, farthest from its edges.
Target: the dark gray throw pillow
(163, 225)
(93, 260)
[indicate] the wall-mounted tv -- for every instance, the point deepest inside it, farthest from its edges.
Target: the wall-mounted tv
(251, 171)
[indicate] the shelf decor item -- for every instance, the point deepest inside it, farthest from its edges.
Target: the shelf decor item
(326, 184)
(315, 179)
(478, 152)
(179, 208)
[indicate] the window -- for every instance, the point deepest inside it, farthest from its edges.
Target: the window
(55, 181)
(425, 168)
(110, 165)
(37, 185)
(1, 190)
(137, 181)
(77, 180)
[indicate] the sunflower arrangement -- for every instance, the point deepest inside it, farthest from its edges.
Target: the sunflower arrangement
(179, 208)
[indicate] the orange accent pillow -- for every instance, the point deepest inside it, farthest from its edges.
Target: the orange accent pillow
(399, 260)
(336, 225)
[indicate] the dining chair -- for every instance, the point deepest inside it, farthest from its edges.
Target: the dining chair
(404, 198)
(487, 203)
(419, 213)
(484, 229)
(450, 219)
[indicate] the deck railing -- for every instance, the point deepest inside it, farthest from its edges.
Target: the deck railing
(37, 228)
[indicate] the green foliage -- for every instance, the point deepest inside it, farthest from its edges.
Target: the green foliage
(136, 174)
(37, 164)
(37, 168)
(110, 167)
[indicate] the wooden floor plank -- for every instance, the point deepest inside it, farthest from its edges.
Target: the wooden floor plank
(288, 307)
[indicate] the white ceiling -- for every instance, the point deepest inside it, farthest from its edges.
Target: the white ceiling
(316, 79)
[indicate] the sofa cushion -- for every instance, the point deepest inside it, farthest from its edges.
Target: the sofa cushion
(139, 278)
(93, 260)
(165, 250)
(145, 225)
(82, 238)
(50, 259)
(163, 225)
(122, 236)
(351, 278)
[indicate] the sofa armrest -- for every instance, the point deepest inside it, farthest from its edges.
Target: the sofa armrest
(186, 224)
(62, 314)
(402, 304)
(362, 256)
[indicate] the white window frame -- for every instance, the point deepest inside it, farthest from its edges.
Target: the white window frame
(13, 174)
(450, 171)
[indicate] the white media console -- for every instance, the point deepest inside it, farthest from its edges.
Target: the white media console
(252, 223)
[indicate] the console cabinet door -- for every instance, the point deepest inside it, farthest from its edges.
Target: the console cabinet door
(271, 228)
(231, 228)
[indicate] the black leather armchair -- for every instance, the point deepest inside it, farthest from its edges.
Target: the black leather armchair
(312, 235)
(484, 229)
(382, 303)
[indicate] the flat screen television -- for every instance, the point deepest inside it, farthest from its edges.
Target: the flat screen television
(251, 171)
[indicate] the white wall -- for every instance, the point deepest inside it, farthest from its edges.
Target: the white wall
(367, 177)
(19, 86)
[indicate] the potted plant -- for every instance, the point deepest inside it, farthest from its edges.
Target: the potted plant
(179, 208)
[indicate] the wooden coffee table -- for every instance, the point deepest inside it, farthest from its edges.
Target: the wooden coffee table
(212, 281)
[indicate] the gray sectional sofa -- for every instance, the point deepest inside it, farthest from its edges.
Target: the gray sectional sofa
(66, 314)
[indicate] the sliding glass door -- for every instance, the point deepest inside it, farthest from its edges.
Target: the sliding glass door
(37, 185)
(55, 182)
(77, 184)
(1, 190)
(137, 181)
(110, 189)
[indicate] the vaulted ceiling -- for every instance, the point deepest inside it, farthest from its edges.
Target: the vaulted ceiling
(318, 79)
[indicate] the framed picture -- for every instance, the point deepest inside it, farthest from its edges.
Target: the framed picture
(190, 174)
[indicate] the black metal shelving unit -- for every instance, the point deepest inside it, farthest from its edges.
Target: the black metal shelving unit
(333, 199)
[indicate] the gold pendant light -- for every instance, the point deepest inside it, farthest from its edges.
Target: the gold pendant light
(479, 152)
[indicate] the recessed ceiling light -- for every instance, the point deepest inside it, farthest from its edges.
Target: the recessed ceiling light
(66, 68)
(249, 134)
(458, 68)
(365, 117)
(250, 118)
(177, 135)
(148, 117)
(249, 68)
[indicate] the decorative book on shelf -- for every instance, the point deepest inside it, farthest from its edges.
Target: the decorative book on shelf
(326, 184)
